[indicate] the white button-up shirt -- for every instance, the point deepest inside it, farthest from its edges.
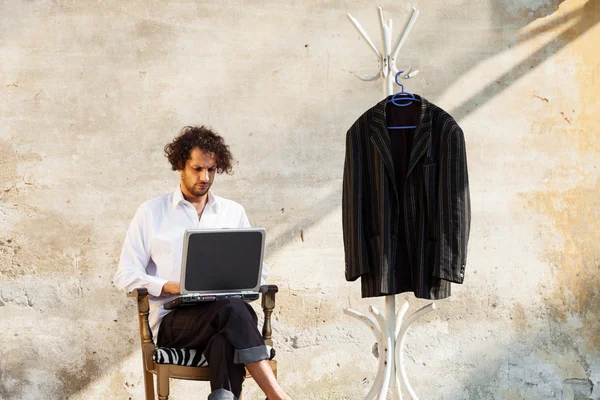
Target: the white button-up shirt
(153, 247)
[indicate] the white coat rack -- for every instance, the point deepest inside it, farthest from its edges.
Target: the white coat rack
(389, 331)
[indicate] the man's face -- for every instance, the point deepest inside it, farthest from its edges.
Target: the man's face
(199, 173)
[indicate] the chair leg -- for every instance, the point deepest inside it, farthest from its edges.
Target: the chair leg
(162, 375)
(148, 384)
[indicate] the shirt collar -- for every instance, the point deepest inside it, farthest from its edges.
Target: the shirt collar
(212, 203)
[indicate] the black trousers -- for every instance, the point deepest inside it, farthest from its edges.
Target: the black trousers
(226, 332)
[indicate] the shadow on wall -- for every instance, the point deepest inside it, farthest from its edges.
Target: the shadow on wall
(587, 17)
(73, 382)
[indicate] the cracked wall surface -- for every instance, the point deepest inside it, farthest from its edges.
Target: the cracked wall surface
(91, 91)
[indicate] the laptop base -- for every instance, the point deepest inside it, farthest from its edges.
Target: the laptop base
(191, 300)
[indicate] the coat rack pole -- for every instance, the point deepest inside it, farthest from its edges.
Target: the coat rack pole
(391, 333)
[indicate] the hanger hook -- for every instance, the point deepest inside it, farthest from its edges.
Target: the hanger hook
(397, 82)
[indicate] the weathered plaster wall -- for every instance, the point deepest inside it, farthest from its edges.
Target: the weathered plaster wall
(90, 91)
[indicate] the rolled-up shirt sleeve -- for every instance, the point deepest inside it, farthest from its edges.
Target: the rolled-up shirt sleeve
(135, 255)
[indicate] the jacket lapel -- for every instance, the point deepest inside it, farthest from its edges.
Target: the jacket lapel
(381, 139)
(422, 136)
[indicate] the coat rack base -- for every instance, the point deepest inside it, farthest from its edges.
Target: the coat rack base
(390, 333)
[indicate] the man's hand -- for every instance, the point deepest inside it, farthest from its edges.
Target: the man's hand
(170, 288)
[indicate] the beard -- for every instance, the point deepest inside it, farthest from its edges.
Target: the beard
(194, 187)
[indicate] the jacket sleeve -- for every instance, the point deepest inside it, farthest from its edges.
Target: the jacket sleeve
(454, 208)
(357, 262)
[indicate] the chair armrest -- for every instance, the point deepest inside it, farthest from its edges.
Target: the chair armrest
(268, 304)
(139, 293)
(143, 305)
(265, 289)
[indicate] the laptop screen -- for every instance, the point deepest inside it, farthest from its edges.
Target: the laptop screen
(222, 260)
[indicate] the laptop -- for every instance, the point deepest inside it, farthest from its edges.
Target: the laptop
(219, 264)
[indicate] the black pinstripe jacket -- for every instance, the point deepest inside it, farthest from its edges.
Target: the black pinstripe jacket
(433, 207)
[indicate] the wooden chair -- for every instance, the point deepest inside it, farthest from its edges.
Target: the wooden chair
(164, 372)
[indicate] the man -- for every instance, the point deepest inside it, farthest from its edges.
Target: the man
(225, 331)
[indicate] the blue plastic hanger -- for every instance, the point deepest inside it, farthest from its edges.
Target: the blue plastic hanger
(402, 96)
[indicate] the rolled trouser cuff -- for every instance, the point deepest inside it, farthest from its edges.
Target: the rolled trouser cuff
(252, 354)
(222, 394)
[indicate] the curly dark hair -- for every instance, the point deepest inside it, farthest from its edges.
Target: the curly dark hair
(178, 151)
